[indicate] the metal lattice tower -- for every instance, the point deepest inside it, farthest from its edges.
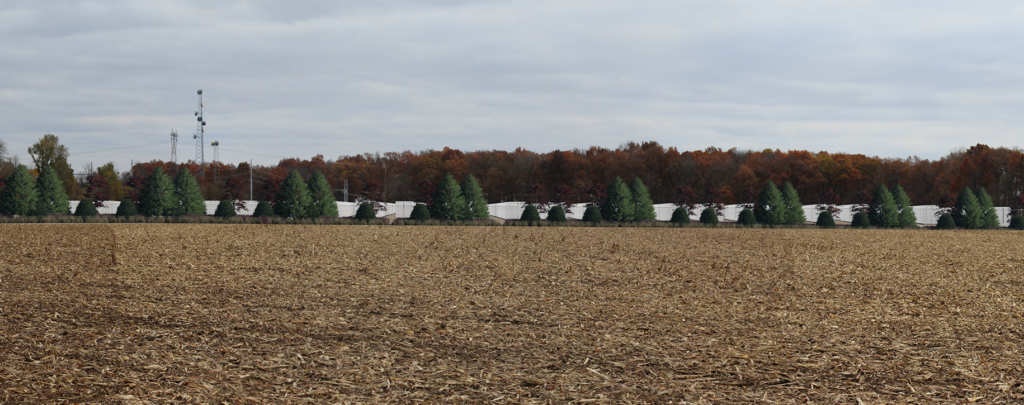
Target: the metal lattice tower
(216, 150)
(174, 145)
(200, 131)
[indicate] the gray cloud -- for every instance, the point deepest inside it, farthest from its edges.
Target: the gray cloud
(340, 78)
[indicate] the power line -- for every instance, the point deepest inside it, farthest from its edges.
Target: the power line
(119, 148)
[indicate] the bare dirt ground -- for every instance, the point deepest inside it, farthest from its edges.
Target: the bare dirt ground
(146, 313)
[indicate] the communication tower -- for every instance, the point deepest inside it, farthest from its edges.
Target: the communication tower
(216, 150)
(174, 145)
(200, 131)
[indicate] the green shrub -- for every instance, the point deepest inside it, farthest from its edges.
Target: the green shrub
(126, 208)
(592, 214)
(263, 209)
(365, 212)
(680, 216)
(709, 217)
(420, 212)
(860, 220)
(556, 214)
(825, 220)
(86, 208)
(946, 222)
(1017, 222)
(225, 209)
(747, 218)
(530, 214)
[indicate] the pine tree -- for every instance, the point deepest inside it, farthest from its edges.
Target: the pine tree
(771, 207)
(157, 195)
(825, 220)
(474, 196)
(293, 197)
(618, 206)
(556, 214)
(126, 208)
(989, 218)
(86, 208)
(50, 195)
(420, 212)
(967, 210)
(188, 197)
(263, 209)
(321, 198)
(680, 216)
(365, 212)
(906, 217)
(19, 194)
(644, 210)
(449, 204)
(746, 218)
(709, 217)
(530, 214)
(883, 211)
(794, 208)
(225, 209)
(592, 214)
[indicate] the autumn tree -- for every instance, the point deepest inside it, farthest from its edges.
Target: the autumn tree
(115, 189)
(538, 197)
(236, 190)
(50, 152)
(828, 201)
(372, 193)
(95, 188)
(563, 196)
(687, 200)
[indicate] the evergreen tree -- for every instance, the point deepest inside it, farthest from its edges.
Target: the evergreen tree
(825, 220)
(321, 198)
(157, 195)
(618, 206)
(449, 204)
(794, 208)
(126, 208)
(50, 195)
(556, 214)
(188, 197)
(474, 197)
(644, 210)
(592, 214)
(225, 209)
(883, 210)
(771, 207)
(263, 209)
(1017, 222)
(420, 212)
(530, 214)
(709, 217)
(967, 210)
(86, 208)
(906, 217)
(365, 212)
(680, 216)
(293, 197)
(989, 218)
(746, 218)
(946, 221)
(860, 220)
(19, 194)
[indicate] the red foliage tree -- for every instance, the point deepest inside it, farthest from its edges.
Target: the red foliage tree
(236, 189)
(947, 204)
(95, 188)
(562, 195)
(372, 192)
(713, 198)
(538, 197)
(828, 201)
(862, 202)
(425, 193)
(596, 194)
(685, 198)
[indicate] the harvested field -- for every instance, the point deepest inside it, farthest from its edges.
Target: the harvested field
(146, 313)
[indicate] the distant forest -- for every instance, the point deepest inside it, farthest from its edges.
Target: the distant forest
(733, 175)
(579, 175)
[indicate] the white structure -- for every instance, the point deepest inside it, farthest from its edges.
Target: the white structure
(514, 210)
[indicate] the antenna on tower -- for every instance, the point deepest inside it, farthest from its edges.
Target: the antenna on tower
(174, 146)
(216, 150)
(200, 131)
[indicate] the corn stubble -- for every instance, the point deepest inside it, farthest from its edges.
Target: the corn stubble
(178, 313)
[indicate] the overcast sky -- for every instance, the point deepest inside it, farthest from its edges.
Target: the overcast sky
(296, 79)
